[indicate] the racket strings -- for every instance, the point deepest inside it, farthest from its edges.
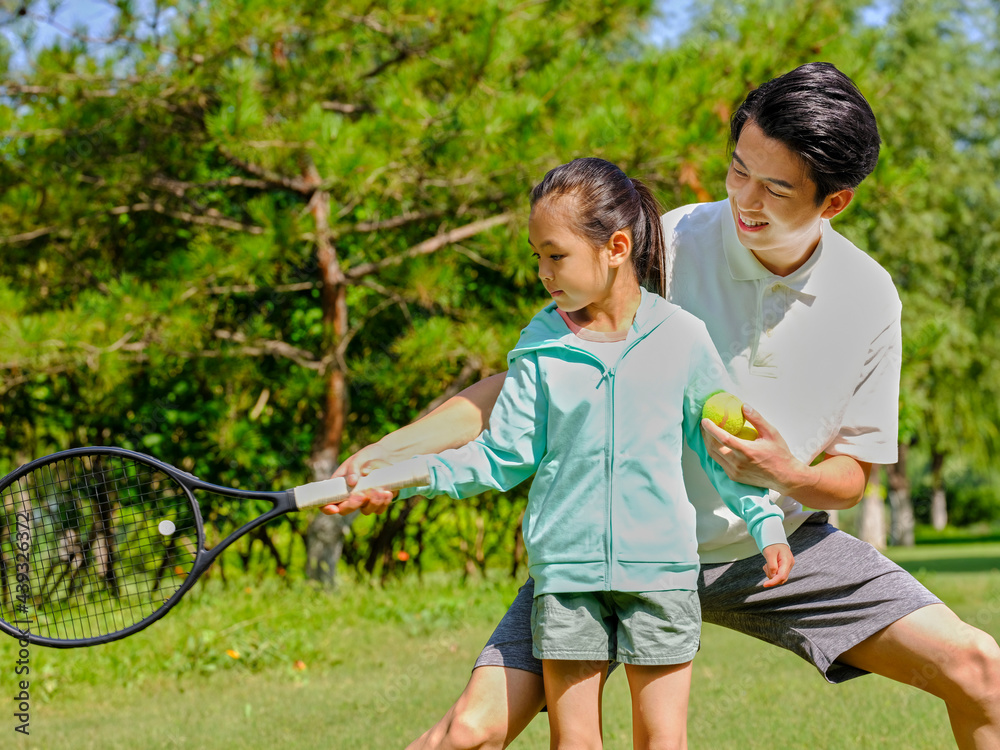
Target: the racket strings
(92, 545)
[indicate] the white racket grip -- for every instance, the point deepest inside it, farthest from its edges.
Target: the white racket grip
(411, 473)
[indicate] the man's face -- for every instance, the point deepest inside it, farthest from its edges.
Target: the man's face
(773, 200)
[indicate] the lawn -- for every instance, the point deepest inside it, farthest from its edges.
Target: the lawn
(269, 664)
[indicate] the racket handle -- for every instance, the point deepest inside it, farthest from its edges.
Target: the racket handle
(412, 473)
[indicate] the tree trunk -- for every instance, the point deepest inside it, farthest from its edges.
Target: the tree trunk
(871, 520)
(939, 501)
(325, 535)
(901, 504)
(324, 547)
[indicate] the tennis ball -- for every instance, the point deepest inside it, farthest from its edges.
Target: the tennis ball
(725, 410)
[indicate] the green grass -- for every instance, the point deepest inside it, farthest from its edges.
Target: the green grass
(373, 667)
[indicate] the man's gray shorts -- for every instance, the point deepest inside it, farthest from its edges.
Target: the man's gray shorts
(840, 592)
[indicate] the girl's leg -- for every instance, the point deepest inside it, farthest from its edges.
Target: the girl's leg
(659, 705)
(573, 692)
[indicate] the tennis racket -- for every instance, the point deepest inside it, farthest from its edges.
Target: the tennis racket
(98, 543)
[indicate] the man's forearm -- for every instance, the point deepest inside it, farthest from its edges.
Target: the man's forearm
(454, 423)
(834, 484)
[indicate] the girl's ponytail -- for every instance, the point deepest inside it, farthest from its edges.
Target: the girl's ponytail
(648, 246)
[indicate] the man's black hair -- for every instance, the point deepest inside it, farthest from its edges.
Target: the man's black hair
(817, 112)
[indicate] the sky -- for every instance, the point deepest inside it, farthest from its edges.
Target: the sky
(97, 17)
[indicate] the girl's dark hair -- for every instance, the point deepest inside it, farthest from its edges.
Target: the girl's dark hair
(817, 112)
(609, 200)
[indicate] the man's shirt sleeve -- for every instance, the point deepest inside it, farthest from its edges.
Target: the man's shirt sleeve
(870, 425)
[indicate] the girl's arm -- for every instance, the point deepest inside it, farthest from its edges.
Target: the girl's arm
(752, 503)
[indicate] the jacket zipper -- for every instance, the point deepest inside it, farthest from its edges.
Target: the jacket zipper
(610, 472)
(610, 461)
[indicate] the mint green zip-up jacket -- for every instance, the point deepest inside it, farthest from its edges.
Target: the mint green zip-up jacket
(607, 510)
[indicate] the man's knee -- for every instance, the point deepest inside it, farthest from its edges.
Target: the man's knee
(475, 728)
(982, 659)
(975, 672)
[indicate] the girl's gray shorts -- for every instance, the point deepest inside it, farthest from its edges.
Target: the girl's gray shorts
(840, 592)
(640, 627)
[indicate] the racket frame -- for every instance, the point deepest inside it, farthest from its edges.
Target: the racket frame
(283, 502)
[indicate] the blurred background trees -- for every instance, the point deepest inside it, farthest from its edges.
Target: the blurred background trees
(251, 237)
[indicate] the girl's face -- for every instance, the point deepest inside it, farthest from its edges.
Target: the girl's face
(572, 270)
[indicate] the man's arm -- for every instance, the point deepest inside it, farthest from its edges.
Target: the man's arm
(836, 483)
(503, 456)
(451, 425)
(839, 481)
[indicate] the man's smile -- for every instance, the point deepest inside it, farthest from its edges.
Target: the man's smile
(750, 225)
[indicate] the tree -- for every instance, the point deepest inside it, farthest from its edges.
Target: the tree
(927, 223)
(277, 224)
(871, 520)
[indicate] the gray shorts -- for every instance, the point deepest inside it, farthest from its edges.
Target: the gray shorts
(841, 592)
(650, 628)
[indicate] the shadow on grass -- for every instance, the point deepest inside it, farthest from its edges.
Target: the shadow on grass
(972, 539)
(951, 565)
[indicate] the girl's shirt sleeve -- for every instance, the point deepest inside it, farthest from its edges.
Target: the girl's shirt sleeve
(504, 455)
(706, 375)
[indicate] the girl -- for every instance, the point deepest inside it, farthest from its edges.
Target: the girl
(602, 387)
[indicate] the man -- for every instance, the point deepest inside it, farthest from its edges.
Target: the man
(809, 328)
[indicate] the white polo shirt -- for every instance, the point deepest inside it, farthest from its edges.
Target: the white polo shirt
(817, 352)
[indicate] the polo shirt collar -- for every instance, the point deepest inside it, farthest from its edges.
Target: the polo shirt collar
(744, 266)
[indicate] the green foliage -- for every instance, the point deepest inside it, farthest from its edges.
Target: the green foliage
(924, 221)
(977, 502)
(210, 231)
(431, 535)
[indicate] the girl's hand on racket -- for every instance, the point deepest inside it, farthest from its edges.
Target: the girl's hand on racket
(778, 564)
(352, 469)
(764, 462)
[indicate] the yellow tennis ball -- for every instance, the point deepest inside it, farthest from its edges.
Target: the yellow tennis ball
(725, 410)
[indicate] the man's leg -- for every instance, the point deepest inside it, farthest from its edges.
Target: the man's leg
(495, 707)
(932, 649)
(504, 693)
(849, 610)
